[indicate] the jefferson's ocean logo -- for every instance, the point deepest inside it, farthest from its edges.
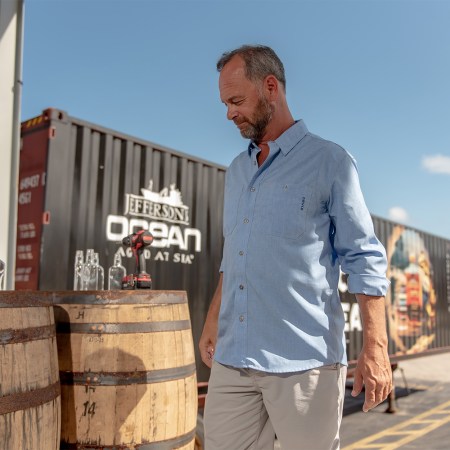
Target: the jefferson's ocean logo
(165, 215)
(165, 205)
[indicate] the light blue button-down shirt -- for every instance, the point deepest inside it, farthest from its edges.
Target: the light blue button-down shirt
(288, 226)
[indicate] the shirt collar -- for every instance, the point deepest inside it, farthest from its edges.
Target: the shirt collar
(288, 140)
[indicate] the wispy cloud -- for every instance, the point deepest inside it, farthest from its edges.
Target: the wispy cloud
(436, 164)
(398, 214)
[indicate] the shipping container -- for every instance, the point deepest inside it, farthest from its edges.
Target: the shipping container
(85, 186)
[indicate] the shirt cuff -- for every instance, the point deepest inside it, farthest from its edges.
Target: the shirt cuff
(368, 285)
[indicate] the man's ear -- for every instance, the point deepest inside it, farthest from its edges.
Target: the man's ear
(271, 85)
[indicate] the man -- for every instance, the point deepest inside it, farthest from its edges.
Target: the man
(274, 333)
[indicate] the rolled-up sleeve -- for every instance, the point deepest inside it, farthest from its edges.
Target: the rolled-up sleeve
(360, 253)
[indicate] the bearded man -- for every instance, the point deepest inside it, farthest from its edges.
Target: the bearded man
(294, 215)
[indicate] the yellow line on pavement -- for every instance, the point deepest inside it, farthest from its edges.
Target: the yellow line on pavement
(406, 435)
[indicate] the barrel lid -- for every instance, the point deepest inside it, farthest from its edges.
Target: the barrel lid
(22, 299)
(119, 297)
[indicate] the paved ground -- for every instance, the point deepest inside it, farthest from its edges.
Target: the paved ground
(422, 417)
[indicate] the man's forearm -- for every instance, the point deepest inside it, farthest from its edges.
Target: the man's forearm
(373, 316)
(207, 343)
(373, 368)
(214, 307)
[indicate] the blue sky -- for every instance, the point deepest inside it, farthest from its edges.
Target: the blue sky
(373, 76)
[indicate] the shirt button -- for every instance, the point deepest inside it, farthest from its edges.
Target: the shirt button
(241, 318)
(246, 221)
(241, 287)
(241, 252)
(253, 189)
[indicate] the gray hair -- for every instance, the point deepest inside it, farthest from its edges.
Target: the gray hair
(260, 61)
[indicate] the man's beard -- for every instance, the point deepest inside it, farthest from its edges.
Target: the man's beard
(256, 128)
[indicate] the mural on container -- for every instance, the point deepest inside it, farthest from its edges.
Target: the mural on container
(411, 300)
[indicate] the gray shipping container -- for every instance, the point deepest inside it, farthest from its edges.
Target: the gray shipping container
(84, 186)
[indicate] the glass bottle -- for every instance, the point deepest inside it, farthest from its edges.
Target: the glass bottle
(98, 274)
(89, 277)
(78, 271)
(116, 273)
(2, 275)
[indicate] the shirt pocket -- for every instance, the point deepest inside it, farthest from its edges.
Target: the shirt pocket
(233, 194)
(287, 209)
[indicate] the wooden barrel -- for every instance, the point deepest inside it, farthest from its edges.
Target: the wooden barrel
(127, 370)
(30, 407)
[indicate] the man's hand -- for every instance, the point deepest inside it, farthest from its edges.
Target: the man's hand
(373, 369)
(208, 339)
(207, 343)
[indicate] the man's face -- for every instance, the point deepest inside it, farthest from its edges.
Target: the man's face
(247, 106)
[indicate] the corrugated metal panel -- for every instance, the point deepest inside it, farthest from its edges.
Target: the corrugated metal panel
(91, 171)
(93, 174)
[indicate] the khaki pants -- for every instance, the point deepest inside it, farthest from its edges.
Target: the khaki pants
(245, 408)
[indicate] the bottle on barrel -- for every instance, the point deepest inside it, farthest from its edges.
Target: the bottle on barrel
(100, 279)
(78, 271)
(89, 272)
(2, 275)
(89, 276)
(116, 273)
